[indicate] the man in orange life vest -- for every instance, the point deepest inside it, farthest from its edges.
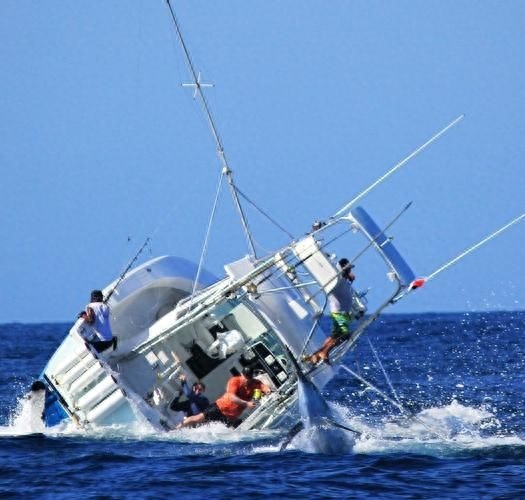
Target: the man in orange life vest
(228, 408)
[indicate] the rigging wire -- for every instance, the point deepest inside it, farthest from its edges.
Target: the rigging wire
(260, 210)
(399, 406)
(289, 258)
(207, 237)
(387, 378)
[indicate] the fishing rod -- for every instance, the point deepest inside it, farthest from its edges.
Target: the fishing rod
(125, 272)
(397, 167)
(419, 282)
(399, 406)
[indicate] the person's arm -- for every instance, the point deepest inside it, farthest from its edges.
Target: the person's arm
(186, 388)
(265, 388)
(242, 402)
(232, 387)
(90, 315)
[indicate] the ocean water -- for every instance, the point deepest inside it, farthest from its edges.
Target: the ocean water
(460, 378)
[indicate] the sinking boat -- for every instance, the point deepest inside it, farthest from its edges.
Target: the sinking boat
(168, 324)
(173, 318)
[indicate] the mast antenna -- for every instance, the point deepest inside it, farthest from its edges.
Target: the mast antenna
(198, 92)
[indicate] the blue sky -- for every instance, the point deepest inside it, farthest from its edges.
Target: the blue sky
(101, 147)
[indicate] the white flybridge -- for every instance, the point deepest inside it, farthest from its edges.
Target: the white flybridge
(172, 317)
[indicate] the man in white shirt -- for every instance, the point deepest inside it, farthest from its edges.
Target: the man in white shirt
(97, 315)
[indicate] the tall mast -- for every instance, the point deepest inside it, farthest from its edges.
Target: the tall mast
(226, 170)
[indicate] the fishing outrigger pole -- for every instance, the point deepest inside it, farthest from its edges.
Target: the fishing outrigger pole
(419, 282)
(396, 167)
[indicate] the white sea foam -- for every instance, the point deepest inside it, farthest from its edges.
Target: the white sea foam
(27, 416)
(437, 431)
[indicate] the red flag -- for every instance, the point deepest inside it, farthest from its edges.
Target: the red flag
(417, 283)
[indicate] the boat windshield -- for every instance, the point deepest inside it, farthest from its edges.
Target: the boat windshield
(235, 315)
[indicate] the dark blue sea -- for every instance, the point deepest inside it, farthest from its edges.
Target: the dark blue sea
(459, 376)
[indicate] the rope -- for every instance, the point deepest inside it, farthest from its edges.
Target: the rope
(399, 406)
(375, 389)
(290, 235)
(387, 378)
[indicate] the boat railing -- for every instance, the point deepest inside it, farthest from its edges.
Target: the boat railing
(199, 306)
(272, 407)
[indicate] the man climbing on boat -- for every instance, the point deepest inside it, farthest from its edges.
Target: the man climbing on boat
(340, 306)
(97, 315)
(241, 393)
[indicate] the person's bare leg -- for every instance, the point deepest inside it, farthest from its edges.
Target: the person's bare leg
(322, 353)
(193, 420)
(328, 345)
